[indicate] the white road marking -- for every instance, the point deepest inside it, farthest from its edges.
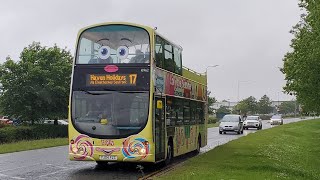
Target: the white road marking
(66, 169)
(12, 177)
(61, 167)
(19, 167)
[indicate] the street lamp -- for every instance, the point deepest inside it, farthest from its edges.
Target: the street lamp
(228, 103)
(239, 87)
(210, 67)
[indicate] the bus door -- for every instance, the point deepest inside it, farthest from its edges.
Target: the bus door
(160, 127)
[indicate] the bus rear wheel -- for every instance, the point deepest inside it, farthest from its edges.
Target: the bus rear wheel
(169, 153)
(197, 151)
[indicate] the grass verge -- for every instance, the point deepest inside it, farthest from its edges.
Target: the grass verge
(34, 144)
(213, 125)
(291, 151)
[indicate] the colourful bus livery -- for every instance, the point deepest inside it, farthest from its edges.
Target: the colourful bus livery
(131, 99)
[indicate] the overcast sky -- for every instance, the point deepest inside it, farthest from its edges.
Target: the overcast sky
(246, 38)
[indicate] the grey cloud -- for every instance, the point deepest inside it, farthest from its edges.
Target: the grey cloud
(246, 38)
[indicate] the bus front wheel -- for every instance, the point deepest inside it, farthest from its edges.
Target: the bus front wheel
(102, 164)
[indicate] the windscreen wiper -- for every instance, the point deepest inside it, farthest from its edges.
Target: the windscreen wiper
(88, 92)
(123, 91)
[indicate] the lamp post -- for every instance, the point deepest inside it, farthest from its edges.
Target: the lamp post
(295, 104)
(210, 67)
(229, 105)
(239, 87)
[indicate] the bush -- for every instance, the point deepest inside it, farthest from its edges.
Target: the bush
(212, 120)
(265, 117)
(13, 134)
(2, 125)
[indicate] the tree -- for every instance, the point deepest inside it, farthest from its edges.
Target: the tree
(247, 106)
(264, 105)
(288, 107)
(37, 86)
(211, 101)
(302, 64)
(223, 110)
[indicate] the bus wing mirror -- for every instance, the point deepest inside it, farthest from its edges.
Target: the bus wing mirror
(159, 104)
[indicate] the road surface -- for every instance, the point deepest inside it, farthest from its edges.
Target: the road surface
(52, 163)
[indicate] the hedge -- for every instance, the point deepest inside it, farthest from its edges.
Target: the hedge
(19, 133)
(265, 117)
(212, 120)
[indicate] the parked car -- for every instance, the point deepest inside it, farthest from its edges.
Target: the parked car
(231, 123)
(5, 120)
(252, 122)
(276, 119)
(16, 121)
(60, 122)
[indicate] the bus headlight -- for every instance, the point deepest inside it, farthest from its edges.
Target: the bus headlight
(143, 150)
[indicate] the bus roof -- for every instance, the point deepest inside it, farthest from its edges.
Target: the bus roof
(114, 23)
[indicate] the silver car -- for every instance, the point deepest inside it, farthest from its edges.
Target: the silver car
(231, 123)
(252, 122)
(276, 119)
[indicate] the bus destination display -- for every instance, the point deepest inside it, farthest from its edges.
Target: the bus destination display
(111, 79)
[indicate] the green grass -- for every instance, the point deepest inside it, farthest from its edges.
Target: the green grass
(289, 151)
(213, 125)
(34, 144)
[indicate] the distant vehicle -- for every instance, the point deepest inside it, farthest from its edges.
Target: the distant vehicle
(16, 121)
(231, 123)
(5, 120)
(60, 122)
(252, 122)
(276, 119)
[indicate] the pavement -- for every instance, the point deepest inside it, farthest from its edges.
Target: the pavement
(53, 163)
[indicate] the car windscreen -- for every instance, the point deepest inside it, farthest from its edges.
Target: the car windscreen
(252, 118)
(230, 119)
(276, 117)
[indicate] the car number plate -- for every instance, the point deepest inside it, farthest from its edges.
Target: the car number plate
(113, 158)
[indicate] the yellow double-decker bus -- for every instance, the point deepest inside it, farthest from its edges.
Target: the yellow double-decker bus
(131, 100)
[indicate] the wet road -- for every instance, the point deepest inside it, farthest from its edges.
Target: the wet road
(52, 163)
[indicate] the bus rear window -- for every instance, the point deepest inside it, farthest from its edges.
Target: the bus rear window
(113, 44)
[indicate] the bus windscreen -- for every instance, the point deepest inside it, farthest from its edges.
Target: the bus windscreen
(110, 113)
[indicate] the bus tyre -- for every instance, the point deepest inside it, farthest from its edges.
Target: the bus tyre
(169, 154)
(102, 164)
(198, 145)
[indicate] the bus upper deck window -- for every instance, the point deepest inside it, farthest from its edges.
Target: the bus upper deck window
(113, 44)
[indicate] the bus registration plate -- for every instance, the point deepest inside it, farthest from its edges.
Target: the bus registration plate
(112, 158)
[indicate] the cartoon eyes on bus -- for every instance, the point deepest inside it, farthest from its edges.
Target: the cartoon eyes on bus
(113, 44)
